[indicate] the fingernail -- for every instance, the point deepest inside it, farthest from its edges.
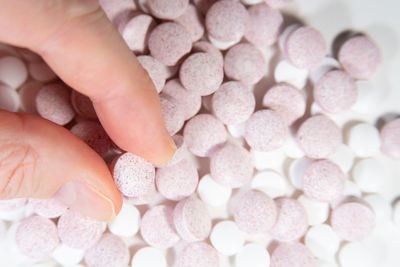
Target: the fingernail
(83, 198)
(169, 152)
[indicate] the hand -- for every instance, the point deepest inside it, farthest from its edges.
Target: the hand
(38, 157)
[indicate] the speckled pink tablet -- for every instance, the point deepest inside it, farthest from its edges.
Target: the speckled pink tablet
(319, 137)
(323, 181)
(155, 69)
(177, 181)
(53, 103)
(157, 227)
(226, 20)
(172, 113)
(78, 231)
(133, 175)
(233, 103)
(264, 26)
(83, 105)
(255, 213)
(36, 237)
(12, 204)
(390, 139)
(203, 46)
(192, 220)
(109, 251)
(198, 254)
(136, 32)
(288, 101)
(188, 102)
(353, 221)
(41, 72)
(204, 134)
(360, 57)
(245, 63)
(266, 130)
(192, 20)
(170, 9)
(305, 48)
(201, 73)
(291, 223)
(169, 42)
(147, 198)
(49, 208)
(336, 91)
(292, 254)
(231, 166)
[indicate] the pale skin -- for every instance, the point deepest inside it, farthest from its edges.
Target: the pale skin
(79, 43)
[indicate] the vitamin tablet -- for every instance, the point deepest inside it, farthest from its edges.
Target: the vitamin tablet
(172, 114)
(155, 69)
(364, 140)
(368, 175)
(147, 198)
(253, 255)
(292, 254)
(83, 105)
(198, 254)
(49, 208)
(13, 71)
(12, 209)
(277, 3)
(41, 72)
(297, 169)
(136, 33)
(268, 160)
(286, 72)
(390, 138)
(167, 9)
(369, 96)
(317, 212)
(380, 206)
(127, 222)
(270, 182)
(149, 256)
(221, 45)
(227, 238)
(343, 157)
(322, 241)
(362, 254)
(203, 46)
(192, 20)
(27, 94)
(9, 98)
(67, 256)
(212, 192)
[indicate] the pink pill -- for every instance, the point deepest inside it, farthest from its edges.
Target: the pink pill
(203, 5)
(192, 20)
(36, 237)
(292, 255)
(226, 20)
(353, 221)
(109, 251)
(147, 198)
(390, 139)
(266, 130)
(188, 102)
(12, 204)
(133, 175)
(27, 95)
(233, 103)
(245, 63)
(319, 137)
(323, 181)
(157, 227)
(204, 134)
(49, 208)
(203, 46)
(155, 69)
(172, 113)
(255, 213)
(291, 223)
(53, 103)
(287, 101)
(201, 73)
(83, 105)
(198, 254)
(41, 72)
(305, 47)
(93, 134)
(231, 166)
(336, 91)
(360, 57)
(264, 26)
(192, 220)
(177, 181)
(169, 42)
(170, 9)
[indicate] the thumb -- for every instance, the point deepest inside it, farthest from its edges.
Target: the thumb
(40, 159)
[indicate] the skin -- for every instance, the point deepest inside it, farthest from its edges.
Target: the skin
(40, 159)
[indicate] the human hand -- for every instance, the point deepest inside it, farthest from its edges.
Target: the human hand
(38, 157)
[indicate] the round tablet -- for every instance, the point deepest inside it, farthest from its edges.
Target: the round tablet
(367, 173)
(317, 212)
(27, 94)
(227, 238)
(255, 213)
(322, 241)
(157, 227)
(268, 160)
(167, 9)
(319, 136)
(201, 73)
(204, 134)
(390, 138)
(147, 198)
(352, 221)
(177, 181)
(291, 223)
(198, 254)
(336, 91)
(169, 42)
(41, 72)
(226, 20)
(364, 140)
(212, 192)
(192, 220)
(360, 57)
(206, 47)
(287, 101)
(245, 63)
(361, 254)
(9, 98)
(155, 69)
(36, 237)
(53, 102)
(253, 255)
(380, 206)
(49, 208)
(305, 47)
(270, 182)
(292, 254)
(136, 32)
(67, 256)
(231, 166)
(264, 25)
(83, 105)
(149, 256)
(192, 20)
(110, 251)
(286, 72)
(172, 114)
(277, 3)
(369, 97)
(266, 130)
(297, 169)
(13, 71)
(133, 175)
(233, 103)
(344, 157)
(12, 204)
(127, 222)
